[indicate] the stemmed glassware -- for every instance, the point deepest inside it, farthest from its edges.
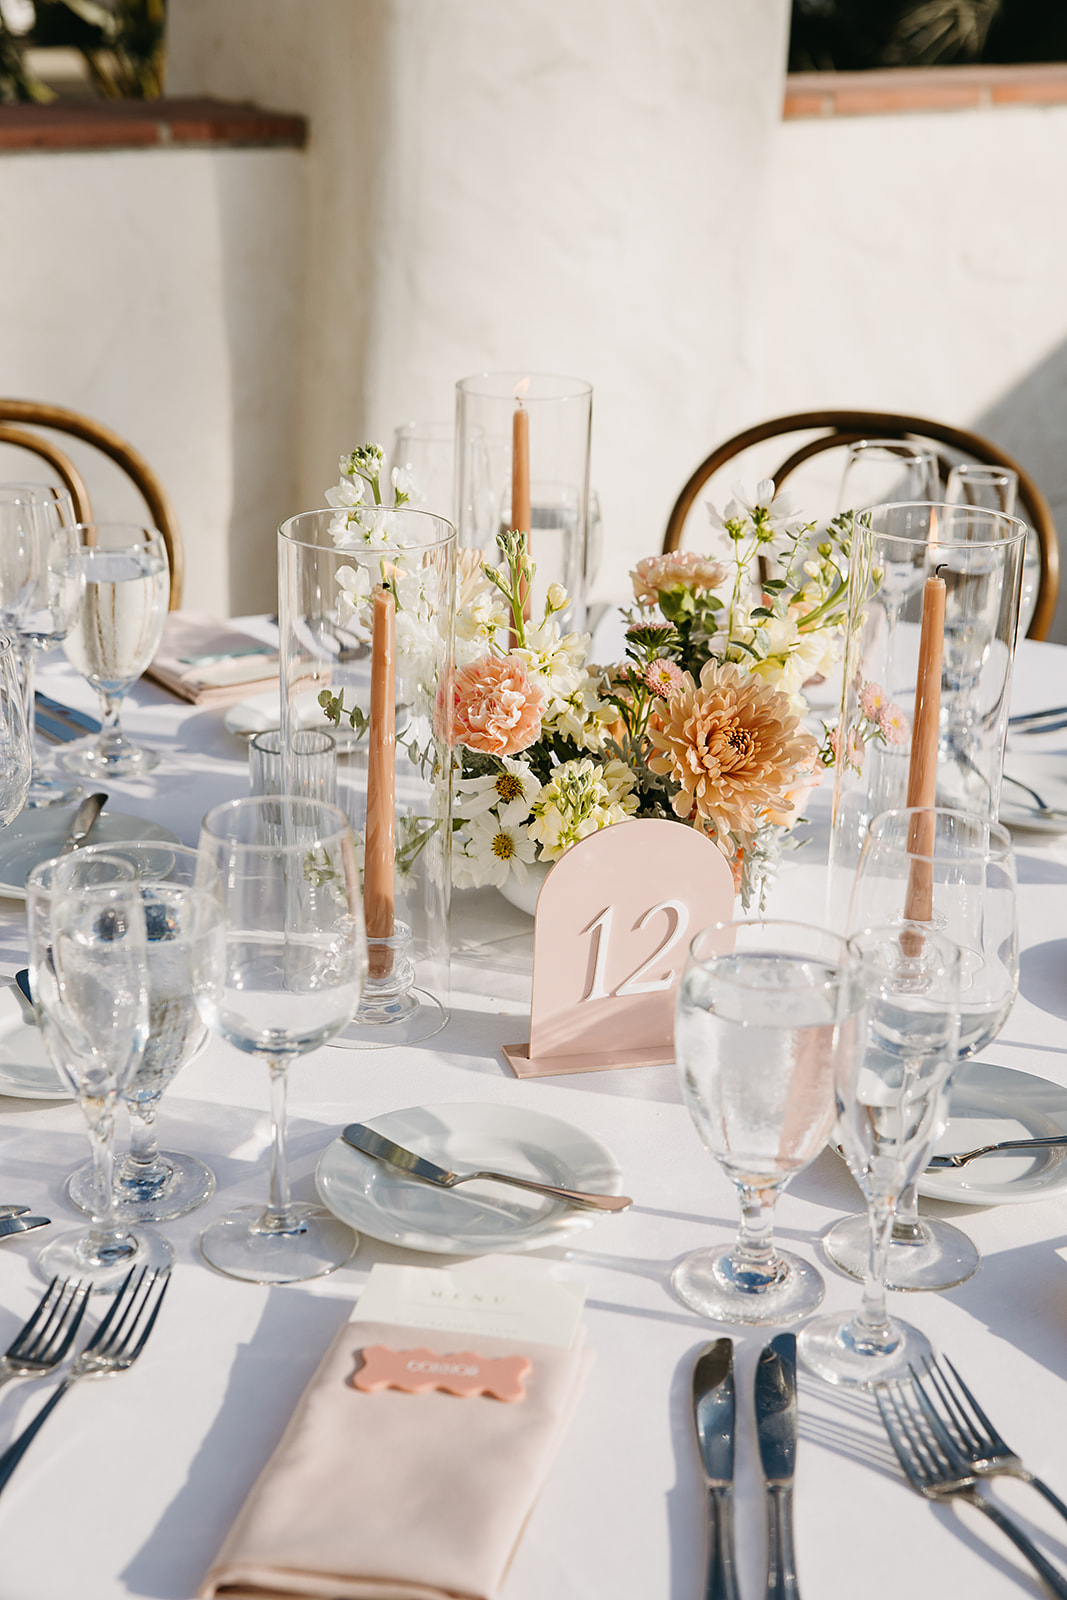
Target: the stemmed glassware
(87, 970)
(281, 976)
(891, 1107)
(15, 759)
(880, 471)
(769, 1014)
(41, 589)
(973, 483)
(150, 1184)
(119, 626)
(969, 868)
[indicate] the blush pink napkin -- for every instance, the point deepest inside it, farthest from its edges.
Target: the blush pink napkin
(393, 1496)
(211, 683)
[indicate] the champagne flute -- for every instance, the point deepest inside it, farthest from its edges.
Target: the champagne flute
(154, 1185)
(282, 975)
(891, 1107)
(969, 867)
(87, 971)
(768, 1015)
(41, 589)
(127, 587)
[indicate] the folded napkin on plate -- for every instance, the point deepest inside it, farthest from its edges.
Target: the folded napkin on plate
(395, 1496)
(184, 663)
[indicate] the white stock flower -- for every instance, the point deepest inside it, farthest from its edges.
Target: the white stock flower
(354, 598)
(581, 798)
(556, 664)
(349, 492)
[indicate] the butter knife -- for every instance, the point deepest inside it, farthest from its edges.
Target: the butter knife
(713, 1414)
(395, 1155)
(776, 1429)
(82, 822)
(10, 1225)
(961, 1158)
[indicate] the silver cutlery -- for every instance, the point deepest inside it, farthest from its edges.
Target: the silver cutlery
(1041, 806)
(45, 1338)
(713, 1414)
(81, 824)
(52, 728)
(22, 1224)
(80, 719)
(22, 980)
(971, 1430)
(113, 1348)
(395, 1155)
(14, 1211)
(776, 1429)
(961, 1158)
(1024, 719)
(936, 1469)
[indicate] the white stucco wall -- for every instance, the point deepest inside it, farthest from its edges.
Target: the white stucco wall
(553, 185)
(159, 292)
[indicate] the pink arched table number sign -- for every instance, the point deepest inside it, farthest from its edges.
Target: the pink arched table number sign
(614, 921)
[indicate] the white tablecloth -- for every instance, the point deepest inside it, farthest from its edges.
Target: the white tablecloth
(132, 1485)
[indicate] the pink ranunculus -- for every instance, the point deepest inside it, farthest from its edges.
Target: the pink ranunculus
(497, 709)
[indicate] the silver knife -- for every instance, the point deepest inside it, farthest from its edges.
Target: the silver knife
(776, 1429)
(56, 730)
(82, 822)
(713, 1413)
(9, 1225)
(383, 1149)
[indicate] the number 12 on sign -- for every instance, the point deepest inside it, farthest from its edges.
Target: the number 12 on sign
(638, 982)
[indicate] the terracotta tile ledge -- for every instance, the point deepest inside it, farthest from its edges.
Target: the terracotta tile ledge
(882, 93)
(139, 124)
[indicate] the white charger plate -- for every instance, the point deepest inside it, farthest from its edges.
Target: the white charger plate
(475, 1218)
(36, 836)
(990, 1103)
(1047, 776)
(262, 713)
(26, 1070)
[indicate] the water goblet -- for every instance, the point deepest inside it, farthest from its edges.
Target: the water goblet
(41, 589)
(969, 868)
(282, 975)
(891, 1100)
(15, 759)
(87, 970)
(882, 471)
(768, 1015)
(150, 1184)
(116, 634)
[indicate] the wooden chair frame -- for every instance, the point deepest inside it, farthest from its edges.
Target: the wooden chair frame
(15, 413)
(848, 427)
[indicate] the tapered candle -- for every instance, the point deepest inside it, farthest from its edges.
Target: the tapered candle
(520, 484)
(378, 861)
(922, 770)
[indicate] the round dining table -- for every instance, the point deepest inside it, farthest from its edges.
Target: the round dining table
(133, 1484)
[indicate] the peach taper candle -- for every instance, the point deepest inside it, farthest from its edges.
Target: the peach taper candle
(379, 856)
(922, 770)
(520, 485)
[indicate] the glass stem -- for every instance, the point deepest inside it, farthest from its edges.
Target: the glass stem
(107, 1240)
(28, 656)
(871, 1321)
(907, 1229)
(143, 1155)
(753, 1252)
(279, 1216)
(111, 739)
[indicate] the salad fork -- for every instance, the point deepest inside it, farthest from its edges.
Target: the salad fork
(44, 1340)
(971, 1431)
(934, 1468)
(114, 1347)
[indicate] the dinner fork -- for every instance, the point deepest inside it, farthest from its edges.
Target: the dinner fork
(1042, 806)
(934, 1467)
(971, 1431)
(43, 1341)
(114, 1347)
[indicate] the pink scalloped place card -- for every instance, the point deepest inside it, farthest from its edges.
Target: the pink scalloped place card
(460, 1373)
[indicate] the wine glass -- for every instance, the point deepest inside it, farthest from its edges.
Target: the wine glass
(973, 483)
(154, 1185)
(87, 971)
(424, 453)
(768, 1014)
(891, 1107)
(119, 626)
(882, 471)
(41, 589)
(969, 869)
(282, 976)
(15, 758)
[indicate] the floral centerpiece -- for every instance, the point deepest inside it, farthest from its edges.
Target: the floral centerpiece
(704, 721)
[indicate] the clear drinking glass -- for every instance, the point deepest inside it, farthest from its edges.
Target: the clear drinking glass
(15, 760)
(88, 975)
(972, 483)
(119, 626)
(968, 866)
(41, 590)
(150, 1184)
(311, 771)
(891, 1101)
(424, 453)
(879, 472)
(281, 975)
(769, 1016)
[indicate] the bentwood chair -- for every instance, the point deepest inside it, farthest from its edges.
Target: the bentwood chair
(834, 429)
(19, 417)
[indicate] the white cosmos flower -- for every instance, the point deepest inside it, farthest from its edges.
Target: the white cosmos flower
(511, 792)
(499, 850)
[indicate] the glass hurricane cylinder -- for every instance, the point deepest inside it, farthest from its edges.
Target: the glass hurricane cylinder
(899, 552)
(332, 566)
(546, 420)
